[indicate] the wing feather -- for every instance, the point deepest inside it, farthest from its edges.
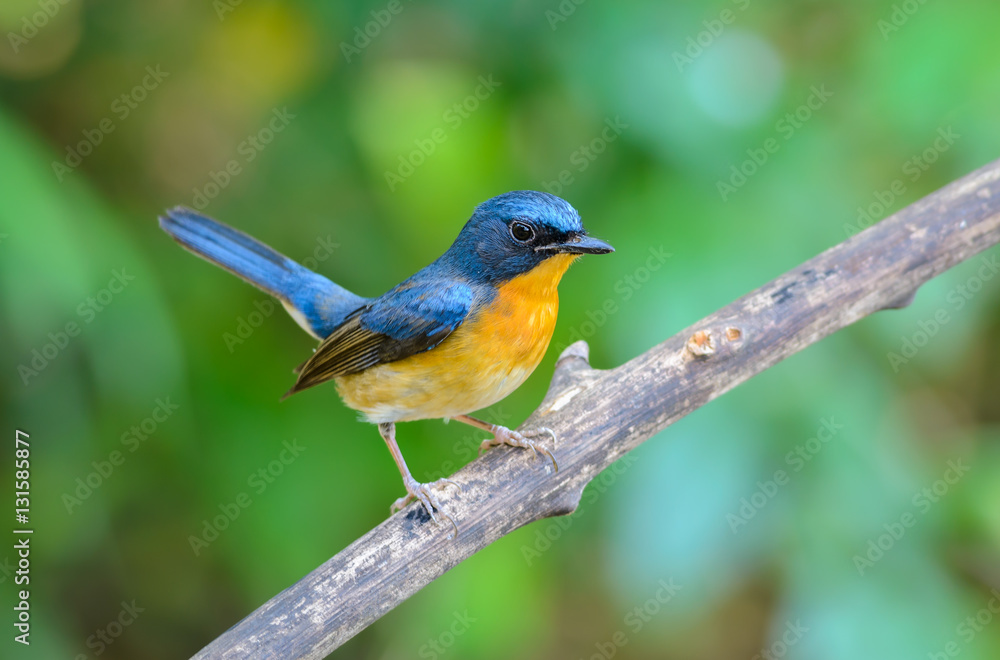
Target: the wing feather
(407, 320)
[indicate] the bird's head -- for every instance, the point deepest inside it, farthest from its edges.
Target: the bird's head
(511, 234)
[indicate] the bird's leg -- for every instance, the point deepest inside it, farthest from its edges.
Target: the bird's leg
(504, 436)
(414, 489)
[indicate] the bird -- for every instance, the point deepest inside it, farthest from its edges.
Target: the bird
(456, 337)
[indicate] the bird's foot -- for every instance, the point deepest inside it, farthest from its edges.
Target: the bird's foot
(505, 436)
(426, 495)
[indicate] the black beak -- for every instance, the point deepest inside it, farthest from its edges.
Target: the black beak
(580, 244)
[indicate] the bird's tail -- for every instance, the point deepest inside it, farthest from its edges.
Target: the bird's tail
(316, 303)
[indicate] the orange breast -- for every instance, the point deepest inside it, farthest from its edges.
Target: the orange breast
(483, 361)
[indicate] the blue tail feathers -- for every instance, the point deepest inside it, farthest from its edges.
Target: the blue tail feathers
(316, 303)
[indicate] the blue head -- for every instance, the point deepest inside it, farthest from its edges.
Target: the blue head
(512, 233)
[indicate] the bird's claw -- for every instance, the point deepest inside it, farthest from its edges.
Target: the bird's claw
(428, 498)
(505, 436)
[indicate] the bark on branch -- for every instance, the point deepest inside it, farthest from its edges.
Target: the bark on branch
(601, 415)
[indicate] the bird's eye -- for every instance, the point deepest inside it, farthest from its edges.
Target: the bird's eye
(522, 232)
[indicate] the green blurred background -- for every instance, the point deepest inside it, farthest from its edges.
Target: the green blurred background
(284, 118)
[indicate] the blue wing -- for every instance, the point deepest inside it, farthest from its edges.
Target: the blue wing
(411, 318)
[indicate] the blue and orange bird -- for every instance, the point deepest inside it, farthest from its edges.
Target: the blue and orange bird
(456, 337)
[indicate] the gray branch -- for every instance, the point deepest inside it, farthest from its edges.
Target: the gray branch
(599, 416)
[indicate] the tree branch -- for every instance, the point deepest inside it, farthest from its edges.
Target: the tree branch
(601, 415)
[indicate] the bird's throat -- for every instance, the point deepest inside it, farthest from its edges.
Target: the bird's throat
(542, 281)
